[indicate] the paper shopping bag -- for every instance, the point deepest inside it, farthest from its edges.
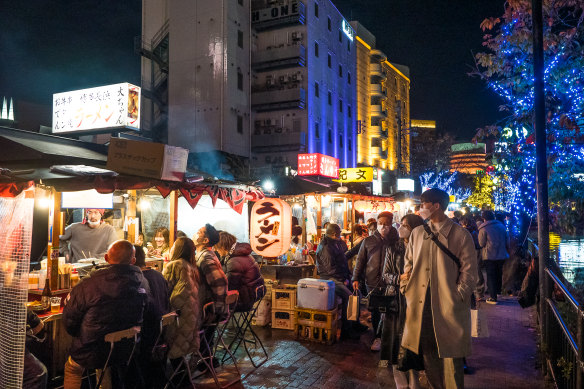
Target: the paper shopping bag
(353, 309)
(479, 326)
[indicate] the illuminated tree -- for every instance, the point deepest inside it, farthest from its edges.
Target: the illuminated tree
(445, 181)
(482, 194)
(508, 69)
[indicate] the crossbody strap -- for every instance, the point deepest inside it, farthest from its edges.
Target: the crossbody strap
(434, 238)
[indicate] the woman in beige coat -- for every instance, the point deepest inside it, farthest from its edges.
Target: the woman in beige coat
(183, 280)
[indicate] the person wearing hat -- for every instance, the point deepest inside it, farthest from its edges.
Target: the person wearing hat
(88, 239)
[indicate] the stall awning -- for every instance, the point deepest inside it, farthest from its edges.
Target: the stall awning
(18, 145)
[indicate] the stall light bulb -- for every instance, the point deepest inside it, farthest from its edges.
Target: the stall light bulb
(268, 186)
(144, 204)
(44, 202)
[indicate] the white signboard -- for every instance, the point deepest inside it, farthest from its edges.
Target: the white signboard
(348, 30)
(97, 109)
(87, 199)
(405, 184)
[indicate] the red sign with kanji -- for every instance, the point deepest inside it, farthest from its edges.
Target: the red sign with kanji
(318, 165)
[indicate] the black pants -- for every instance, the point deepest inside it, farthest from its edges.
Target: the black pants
(494, 276)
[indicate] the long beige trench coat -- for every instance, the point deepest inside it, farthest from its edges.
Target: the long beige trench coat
(451, 288)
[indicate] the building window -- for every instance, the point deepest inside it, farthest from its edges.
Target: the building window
(316, 90)
(330, 98)
(330, 24)
(349, 111)
(240, 124)
(330, 136)
(240, 2)
(316, 49)
(341, 71)
(341, 141)
(240, 38)
(316, 131)
(316, 9)
(340, 105)
(349, 77)
(350, 145)
(340, 36)
(330, 61)
(348, 45)
(239, 80)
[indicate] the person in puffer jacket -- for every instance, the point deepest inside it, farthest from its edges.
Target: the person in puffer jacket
(243, 273)
(111, 299)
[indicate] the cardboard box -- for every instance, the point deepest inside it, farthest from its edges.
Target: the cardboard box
(147, 159)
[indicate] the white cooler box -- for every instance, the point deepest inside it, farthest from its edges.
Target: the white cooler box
(316, 294)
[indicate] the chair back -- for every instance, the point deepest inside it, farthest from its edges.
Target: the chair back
(130, 333)
(260, 292)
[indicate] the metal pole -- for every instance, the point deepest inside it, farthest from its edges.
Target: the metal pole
(541, 161)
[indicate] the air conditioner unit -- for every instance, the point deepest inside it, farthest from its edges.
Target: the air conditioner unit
(295, 77)
(282, 79)
(258, 123)
(299, 77)
(270, 82)
(295, 35)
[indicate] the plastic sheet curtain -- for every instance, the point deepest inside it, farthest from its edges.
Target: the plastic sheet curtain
(15, 243)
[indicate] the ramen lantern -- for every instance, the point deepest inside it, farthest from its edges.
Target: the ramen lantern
(270, 229)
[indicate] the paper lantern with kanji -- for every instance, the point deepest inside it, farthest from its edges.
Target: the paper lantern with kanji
(270, 229)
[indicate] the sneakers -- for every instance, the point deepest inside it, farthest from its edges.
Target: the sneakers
(376, 346)
(491, 300)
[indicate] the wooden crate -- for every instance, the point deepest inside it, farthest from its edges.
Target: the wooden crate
(284, 297)
(284, 319)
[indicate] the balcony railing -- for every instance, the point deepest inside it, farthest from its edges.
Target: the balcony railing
(269, 100)
(376, 71)
(279, 57)
(377, 111)
(377, 90)
(267, 143)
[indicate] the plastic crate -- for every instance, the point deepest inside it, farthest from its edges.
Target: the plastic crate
(318, 326)
(284, 297)
(284, 319)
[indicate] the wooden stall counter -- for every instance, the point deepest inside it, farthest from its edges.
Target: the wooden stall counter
(287, 274)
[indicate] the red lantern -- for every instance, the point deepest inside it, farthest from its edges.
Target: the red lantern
(270, 229)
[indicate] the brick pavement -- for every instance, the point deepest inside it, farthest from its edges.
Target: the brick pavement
(507, 359)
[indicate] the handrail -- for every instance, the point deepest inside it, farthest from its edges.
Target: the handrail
(565, 290)
(563, 325)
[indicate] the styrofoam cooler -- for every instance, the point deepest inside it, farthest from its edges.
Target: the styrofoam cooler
(316, 294)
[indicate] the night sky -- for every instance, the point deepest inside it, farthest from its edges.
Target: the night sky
(52, 46)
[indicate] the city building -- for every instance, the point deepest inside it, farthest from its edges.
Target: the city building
(303, 86)
(383, 108)
(196, 74)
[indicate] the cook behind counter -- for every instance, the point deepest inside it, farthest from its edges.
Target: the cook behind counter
(80, 238)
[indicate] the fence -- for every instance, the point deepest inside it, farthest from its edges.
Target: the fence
(562, 319)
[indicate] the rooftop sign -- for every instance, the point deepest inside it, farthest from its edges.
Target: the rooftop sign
(97, 109)
(318, 165)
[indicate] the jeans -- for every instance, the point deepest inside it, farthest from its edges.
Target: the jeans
(480, 288)
(375, 318)
(344, 293)
(494, 276)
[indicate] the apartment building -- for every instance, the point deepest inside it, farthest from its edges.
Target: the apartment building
(303, 84)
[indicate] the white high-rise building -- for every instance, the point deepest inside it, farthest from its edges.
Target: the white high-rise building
(196, 74)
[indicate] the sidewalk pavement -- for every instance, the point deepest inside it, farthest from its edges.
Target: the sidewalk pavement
(507, 359)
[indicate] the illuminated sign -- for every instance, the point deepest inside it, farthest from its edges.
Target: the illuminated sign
(285, 9)
(348, 30)
(97, 109)
(318, 165)
(405, 184)
(356, 174)
(377, 186)
(270, 227)
(87, 199)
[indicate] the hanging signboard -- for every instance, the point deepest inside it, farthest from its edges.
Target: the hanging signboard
(356, 174)
(318, 165)
(97, 110)
(270, 227)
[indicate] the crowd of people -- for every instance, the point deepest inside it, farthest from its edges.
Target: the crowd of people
(421, 280)
(421, 276)
(127, 293)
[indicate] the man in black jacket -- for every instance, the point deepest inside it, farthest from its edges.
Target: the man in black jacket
(112, 299)
(332, 265)
(370, 261)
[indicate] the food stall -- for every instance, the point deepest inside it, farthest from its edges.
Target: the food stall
(41, 186)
